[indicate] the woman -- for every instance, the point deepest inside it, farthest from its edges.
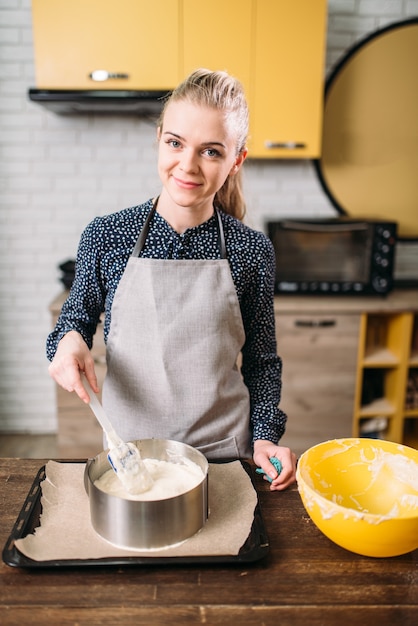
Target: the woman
(186, 287)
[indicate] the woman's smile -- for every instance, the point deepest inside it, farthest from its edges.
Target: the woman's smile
(186, 184)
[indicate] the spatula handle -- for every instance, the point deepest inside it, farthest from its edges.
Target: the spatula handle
(101, 416)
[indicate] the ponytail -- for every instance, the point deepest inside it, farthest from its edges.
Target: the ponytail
(230, 197)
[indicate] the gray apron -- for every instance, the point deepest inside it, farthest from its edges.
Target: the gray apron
(175, 336)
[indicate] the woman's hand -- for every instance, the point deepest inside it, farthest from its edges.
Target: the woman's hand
(263, 450)
(71, 358)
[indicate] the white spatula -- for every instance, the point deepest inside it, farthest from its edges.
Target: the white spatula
(124, 458)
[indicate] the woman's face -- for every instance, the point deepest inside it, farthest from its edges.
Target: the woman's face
(197, 152)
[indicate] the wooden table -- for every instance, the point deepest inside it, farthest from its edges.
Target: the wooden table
(305, 579)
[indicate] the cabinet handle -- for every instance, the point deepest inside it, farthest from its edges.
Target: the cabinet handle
(287, 145)
(315, 323)
(102, 75)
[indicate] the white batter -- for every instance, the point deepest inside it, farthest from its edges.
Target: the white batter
(170, 480)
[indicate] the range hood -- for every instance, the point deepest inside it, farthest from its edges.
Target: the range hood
(67, 101)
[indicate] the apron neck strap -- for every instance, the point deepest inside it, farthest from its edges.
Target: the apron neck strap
(144, 232)
(221, 235)
(140, 242)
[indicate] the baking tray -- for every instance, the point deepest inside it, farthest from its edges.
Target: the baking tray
(254, 548)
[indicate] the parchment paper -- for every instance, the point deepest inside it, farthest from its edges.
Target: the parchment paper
(65, 531)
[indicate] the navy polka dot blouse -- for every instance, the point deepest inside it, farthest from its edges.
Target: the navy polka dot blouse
(105, 247)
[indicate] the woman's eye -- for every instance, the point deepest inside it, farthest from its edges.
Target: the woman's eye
(174, 143)
(211, 152)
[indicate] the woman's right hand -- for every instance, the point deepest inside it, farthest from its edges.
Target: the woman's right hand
(71, 358)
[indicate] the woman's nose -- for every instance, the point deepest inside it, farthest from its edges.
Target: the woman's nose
(189, 161)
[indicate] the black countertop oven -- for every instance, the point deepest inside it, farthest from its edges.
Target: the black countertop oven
(333, 256)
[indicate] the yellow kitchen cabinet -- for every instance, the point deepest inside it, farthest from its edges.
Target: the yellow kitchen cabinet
(217, 35)
(135, 42)
(286, 92)
(387, 377)
(276, 48)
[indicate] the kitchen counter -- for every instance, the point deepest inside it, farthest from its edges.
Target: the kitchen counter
(305, 579)
(399, 300)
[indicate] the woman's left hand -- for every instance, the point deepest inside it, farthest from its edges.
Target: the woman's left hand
(263, 450)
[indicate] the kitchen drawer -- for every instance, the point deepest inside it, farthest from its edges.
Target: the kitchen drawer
(319, 353)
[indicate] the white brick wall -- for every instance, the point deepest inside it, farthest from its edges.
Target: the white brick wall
(57, 173)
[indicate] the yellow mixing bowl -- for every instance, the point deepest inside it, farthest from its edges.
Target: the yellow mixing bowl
(362, 494)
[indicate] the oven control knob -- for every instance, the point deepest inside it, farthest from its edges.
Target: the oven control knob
(380, 284)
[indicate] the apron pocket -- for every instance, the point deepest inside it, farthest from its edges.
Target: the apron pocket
(225, 450)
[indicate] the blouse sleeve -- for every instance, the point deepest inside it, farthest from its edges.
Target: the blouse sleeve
(262, 367)
(85, 303)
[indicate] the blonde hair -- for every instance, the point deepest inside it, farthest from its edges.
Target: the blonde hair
(220, 91)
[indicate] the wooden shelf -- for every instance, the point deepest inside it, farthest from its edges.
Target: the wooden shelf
(380, 357)
(387, 344)
(381, 407)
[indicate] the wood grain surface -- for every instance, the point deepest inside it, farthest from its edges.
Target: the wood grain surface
(305, 579)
